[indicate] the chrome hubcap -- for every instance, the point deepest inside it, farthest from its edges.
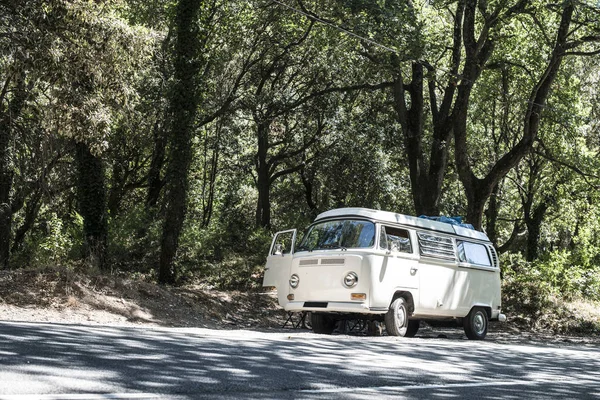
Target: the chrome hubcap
(479, 323)
(400, 316)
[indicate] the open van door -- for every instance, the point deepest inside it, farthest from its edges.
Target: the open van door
(279, 263)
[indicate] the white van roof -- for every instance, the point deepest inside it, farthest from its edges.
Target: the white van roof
(386, 216)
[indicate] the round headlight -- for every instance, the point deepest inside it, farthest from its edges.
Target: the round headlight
(351, 279)
(294, 281)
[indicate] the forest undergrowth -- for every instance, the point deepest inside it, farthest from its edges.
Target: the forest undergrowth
(63, 295)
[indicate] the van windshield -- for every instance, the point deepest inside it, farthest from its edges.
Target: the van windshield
(340, 234)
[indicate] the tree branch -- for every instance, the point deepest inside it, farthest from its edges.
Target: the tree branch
(546, 154)
(342, 89)
(582, 53)
(288, 170)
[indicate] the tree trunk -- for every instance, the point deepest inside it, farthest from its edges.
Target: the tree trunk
(116, 191)
(210, 176)
(426, 178)
(534, 224)
(155, 182)
(8, 114)
(308, 182)
(6, 179)
(184, 102)
(426, 183)
(160, 129)
(31, 212)
(491, 216)
(91, 196)
(263, 184)
(476, 201)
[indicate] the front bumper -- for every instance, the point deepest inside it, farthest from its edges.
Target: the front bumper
(333, 307)
(498, 316)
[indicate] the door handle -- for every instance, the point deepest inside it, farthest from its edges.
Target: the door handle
(413, 270)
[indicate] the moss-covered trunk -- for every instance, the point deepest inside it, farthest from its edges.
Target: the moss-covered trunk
(184, 101)
(91, 197)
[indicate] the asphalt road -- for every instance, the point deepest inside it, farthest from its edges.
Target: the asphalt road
(53, 361)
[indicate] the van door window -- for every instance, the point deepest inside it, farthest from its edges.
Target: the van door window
(395, 239)
(283, 243)
(473, 253)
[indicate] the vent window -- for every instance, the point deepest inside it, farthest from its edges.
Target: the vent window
(494, 256)
(436, 246)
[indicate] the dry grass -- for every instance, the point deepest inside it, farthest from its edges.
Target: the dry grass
(97, 297)
(578, 318)
(72, 302)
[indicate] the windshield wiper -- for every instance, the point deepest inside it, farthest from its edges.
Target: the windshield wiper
(305, 248)
(333, 246)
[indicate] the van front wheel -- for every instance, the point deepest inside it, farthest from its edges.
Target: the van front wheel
(322, 324)
(397, 322)
(476, 324)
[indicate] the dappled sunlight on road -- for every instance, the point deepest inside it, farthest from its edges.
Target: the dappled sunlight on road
(199, 362)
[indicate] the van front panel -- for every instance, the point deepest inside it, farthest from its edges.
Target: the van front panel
(322, 278)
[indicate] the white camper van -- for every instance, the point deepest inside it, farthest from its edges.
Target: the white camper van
(357, 263)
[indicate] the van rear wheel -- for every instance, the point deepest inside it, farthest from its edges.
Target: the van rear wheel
(476, 324)
(322, 324)
(397, 322)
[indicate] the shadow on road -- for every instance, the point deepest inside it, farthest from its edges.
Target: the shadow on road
(192, 363)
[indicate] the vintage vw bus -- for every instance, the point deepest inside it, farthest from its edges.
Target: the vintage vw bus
(357, 263)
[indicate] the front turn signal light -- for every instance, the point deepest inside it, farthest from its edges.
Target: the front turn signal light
(290, 296)
(358, 296)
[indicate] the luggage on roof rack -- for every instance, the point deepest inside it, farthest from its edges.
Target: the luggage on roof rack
(448, 220)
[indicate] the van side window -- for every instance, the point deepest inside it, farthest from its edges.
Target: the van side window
(395, 239)
(431, 245)
(473, 253)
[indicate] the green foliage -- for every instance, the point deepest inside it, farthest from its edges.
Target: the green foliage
(531, 289)
(534, 295)
(524, 289)
(134, 241)
(225, 256)
(54, 242)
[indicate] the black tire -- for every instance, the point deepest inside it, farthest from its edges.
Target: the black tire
(397, 322)
(322, 324)
(476, 324)
(413, 327)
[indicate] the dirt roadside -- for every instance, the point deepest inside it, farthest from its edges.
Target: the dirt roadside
(61, 296)
(66, 297)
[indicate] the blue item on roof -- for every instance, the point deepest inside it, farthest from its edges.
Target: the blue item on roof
(449, 220)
